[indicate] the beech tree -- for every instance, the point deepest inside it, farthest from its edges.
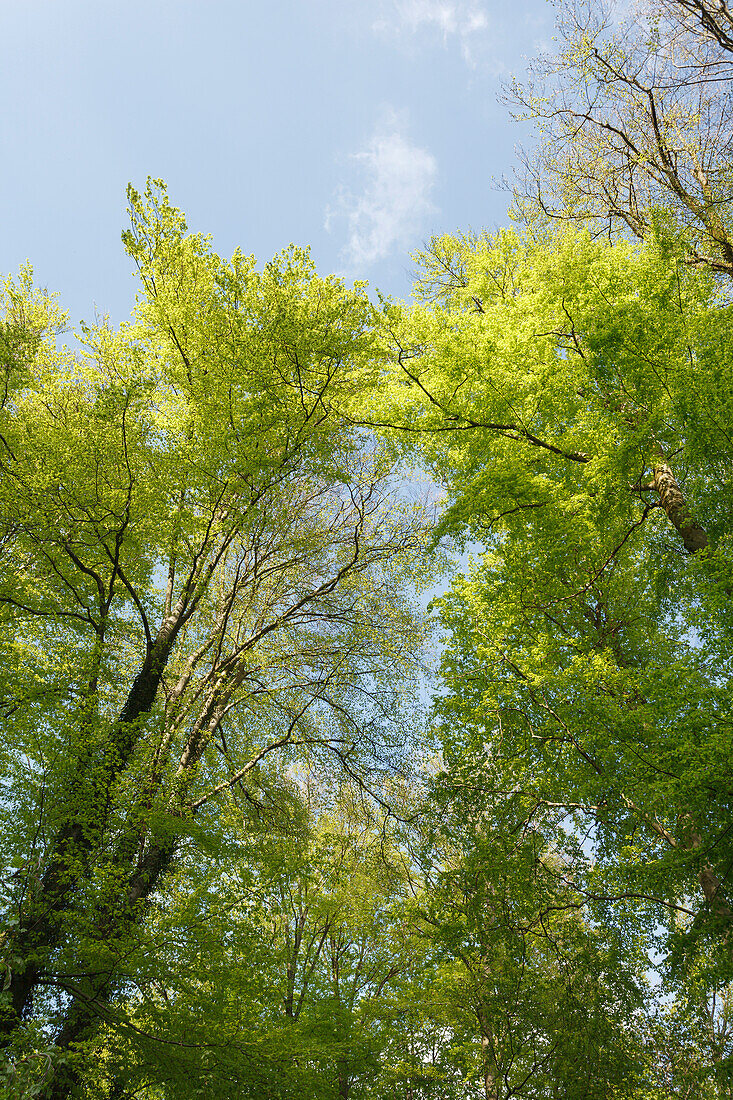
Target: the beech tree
(634, 117)
(263, 969)
(573, 396)
(203, 567)
(542, 997)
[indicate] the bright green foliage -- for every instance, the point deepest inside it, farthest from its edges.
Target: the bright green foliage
(691, 1036)
(210, 656)
(274, 975)
(203, 567)
(575, 399)
(632, 108)
(538, 1001)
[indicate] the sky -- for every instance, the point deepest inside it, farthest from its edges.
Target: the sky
(360, 128)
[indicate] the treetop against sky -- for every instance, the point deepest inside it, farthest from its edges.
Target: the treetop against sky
(361, 129)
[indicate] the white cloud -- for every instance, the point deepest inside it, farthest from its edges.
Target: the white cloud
(394, 200)
(464, 20)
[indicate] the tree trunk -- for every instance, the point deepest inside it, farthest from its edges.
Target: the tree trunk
(344, 1081)
(87, 1008)
(489, 1068)
(675, 506)
(710, 884)
(40, 929)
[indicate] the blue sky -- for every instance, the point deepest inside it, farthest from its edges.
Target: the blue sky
(359, 128)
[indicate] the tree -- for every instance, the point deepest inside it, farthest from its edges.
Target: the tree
(573, 397)
(634, 113)
(693, 1036)
(543, 998)
(269, 972)
(203, 567)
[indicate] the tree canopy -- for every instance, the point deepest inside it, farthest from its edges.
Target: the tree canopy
(206, 581)
(253, 846)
